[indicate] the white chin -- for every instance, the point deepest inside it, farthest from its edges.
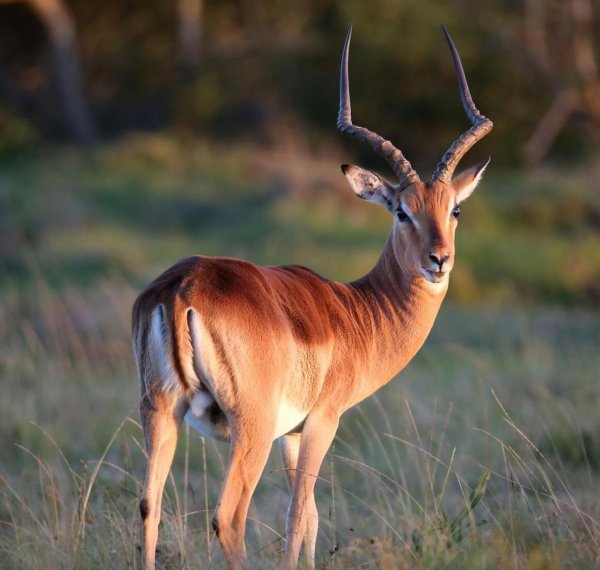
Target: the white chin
(435, 277)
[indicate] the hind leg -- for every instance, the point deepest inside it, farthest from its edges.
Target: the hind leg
(161, 418)
(289, 446)
(251, 442)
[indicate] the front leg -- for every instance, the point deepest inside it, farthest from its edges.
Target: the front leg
(317, 434)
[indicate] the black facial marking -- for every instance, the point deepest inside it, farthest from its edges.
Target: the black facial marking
(402, 215)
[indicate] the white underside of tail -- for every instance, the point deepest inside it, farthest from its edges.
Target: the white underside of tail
(160, 354)
(160, 350)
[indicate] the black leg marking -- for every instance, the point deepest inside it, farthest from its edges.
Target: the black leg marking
(215, 525)
(144, 509)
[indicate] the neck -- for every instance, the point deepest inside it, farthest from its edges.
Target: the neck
(399, 310)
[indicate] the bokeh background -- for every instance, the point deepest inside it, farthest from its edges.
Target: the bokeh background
(136, 133)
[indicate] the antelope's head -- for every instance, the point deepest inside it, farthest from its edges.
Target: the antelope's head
(425, 213)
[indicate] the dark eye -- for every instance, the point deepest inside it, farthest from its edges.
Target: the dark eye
(402, 216)
(456, 211)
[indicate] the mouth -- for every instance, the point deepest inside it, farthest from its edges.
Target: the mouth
(435, 276)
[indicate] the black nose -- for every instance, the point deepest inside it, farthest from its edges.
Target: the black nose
(439, 261)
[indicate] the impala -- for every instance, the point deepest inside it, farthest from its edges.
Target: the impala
(250, 354)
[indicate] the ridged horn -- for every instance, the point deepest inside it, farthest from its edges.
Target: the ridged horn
(481, 125)
(401, 167)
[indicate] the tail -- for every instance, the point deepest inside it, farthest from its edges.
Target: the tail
(163, 348)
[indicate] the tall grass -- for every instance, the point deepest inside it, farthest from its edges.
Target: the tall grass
(482, 454)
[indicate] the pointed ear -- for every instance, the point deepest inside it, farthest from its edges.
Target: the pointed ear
(466, 181)
(369, 186)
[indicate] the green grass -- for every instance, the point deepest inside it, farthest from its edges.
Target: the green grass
(484, 453)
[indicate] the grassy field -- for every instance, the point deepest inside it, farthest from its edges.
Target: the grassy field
(484, 453)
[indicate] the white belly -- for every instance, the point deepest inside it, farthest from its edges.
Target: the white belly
(288, 418)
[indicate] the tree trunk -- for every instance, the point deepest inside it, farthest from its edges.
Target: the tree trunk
(550, 126)
(66, 72)
(189, 24)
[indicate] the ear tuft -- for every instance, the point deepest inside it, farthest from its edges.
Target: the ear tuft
(484, 164)
(467, 181)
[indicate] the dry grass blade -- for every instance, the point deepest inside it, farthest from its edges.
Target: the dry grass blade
(92, 479)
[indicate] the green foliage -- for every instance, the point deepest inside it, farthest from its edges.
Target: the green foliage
(455, 528)
(576, 448)
(268, 63)
(137, 206)
(16, 134)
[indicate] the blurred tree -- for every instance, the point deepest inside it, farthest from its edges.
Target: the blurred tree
(268, 65)
(189, 17)
(570, 66)
(64, 63)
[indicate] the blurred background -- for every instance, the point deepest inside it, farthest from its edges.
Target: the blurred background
(134, 133)
(121, 118)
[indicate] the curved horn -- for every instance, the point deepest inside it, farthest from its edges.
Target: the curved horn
(481, 125)
(401, 167)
